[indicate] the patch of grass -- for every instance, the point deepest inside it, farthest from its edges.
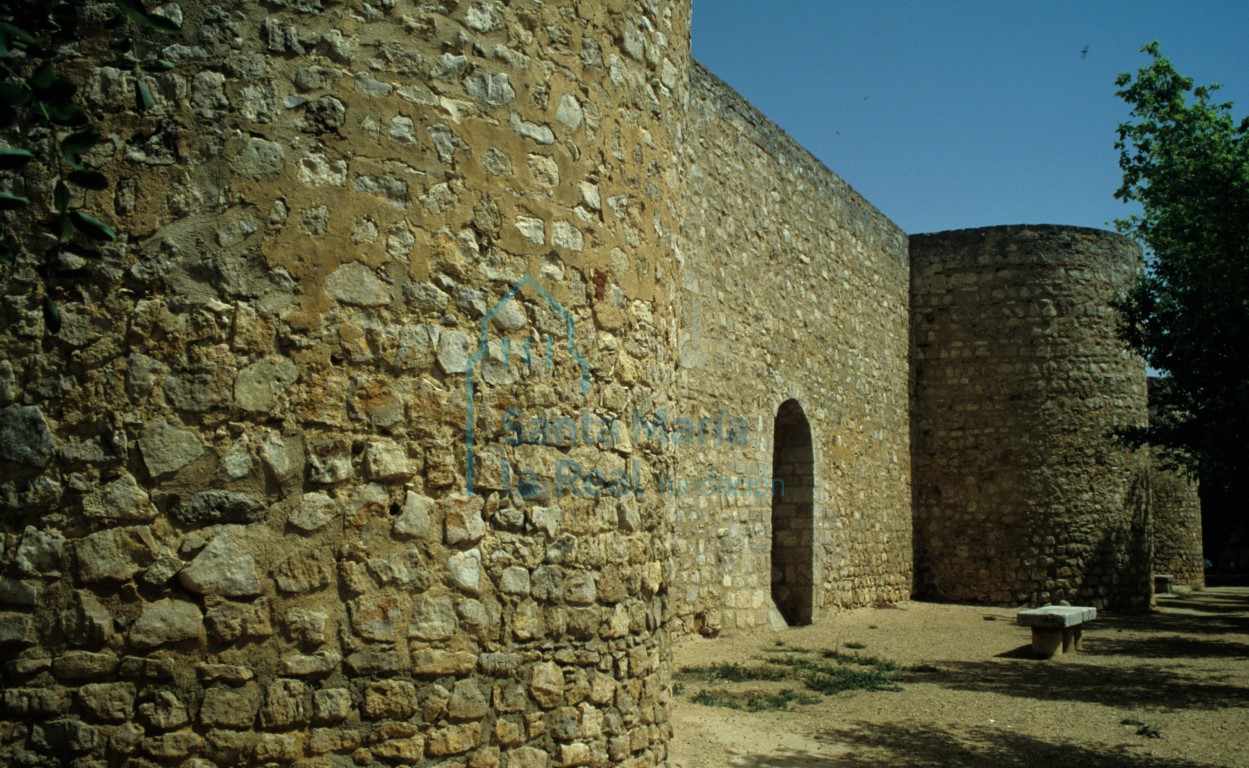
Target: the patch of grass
(678, 689)
(862, 660)
(855, 646)
(752, 701)
(731, 673)
(1142, 728)
(841, 678)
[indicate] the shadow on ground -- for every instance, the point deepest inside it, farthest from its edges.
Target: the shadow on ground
(1067, 680)
(1150, 640)
(874, 745)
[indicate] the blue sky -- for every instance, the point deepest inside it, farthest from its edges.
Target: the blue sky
(956, 114)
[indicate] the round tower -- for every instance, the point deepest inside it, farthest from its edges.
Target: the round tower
(326, 462)
(1022, 493)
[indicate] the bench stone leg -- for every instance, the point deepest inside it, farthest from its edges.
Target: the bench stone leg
(1072, 640)
(1047, 642)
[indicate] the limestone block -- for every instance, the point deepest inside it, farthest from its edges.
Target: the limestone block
(166, 621)
(225, 567)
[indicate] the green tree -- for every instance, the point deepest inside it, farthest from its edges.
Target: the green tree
(1185, 161)
(43, 124)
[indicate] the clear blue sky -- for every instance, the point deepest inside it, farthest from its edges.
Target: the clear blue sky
(953, 114)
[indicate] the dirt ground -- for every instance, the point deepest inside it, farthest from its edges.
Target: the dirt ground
(1170, 688)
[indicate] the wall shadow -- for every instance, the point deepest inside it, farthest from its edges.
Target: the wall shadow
(1129, 686)
(918, 746)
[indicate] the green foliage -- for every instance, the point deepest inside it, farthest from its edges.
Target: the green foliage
(42, 120)
(731, 673)
(1185, 161)
(752, 701)
(831, 672)
(1142, 728)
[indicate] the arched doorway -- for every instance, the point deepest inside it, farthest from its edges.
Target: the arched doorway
(793, 515)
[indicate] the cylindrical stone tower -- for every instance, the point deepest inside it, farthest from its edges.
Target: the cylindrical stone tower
(1022, 494)
(1176, 515)
(327, 463)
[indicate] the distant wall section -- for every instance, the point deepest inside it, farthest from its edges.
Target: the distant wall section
(1021, 493)
(792, 286)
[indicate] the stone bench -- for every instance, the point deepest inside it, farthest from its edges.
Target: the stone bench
(1163, 582)
(1056, 628)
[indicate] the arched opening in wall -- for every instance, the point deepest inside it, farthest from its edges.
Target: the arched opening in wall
(793, 515)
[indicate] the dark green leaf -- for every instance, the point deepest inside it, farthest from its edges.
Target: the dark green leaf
(92, 254)
(143, 100)
(80, 141)
(17, 33)
(67, 114)
(60, 198)
(13, 159)
(123, 44)
(6, 254)
(13, 94)
(41, 79)
(88, 180)
(51, 316)
(91, 226)
(134, 11)
(163, 24)
(158, 65)
(66, 229)
(9, 202)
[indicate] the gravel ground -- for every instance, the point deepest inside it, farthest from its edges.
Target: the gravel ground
(1166, 689)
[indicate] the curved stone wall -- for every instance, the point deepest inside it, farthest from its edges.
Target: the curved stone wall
(1177, 526)
(1021, 494)
(365, 245)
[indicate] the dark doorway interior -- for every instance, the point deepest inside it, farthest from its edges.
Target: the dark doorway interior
(793, 515)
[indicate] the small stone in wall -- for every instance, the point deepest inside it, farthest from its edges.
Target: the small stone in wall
(224, 567)
(569, 112)
(85, 621)
(166, 621)
(462, 516)
(386, 460)
(236, 462)
(39, 552)
(491, 89)
(415, 519)
(167, 449)
(454, 352)
(565, 235)
(317, 170)
(306, 626)
(376, 617)
(261, 386)
(528, 130)
(260, 158)
(433, 619)
(354, 283)
(111, 702)
(330, 705)
(302, 572)
(214, 507)
(464, 569)
(115, 554)
(533, 229)
(230, 620)
(314, 511)
(24, 436)
(164, 712)
(546, 685)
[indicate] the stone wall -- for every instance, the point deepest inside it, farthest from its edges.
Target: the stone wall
(1177, 526)
(239, 525)
(1018, 381)
(793, 288)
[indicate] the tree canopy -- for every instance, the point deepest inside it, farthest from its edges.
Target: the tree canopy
(1185, 161)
